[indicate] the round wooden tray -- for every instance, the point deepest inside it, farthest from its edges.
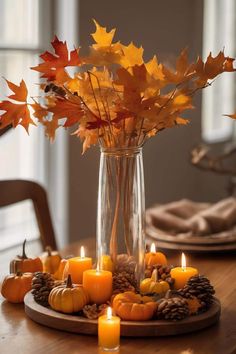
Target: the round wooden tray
(78, 324)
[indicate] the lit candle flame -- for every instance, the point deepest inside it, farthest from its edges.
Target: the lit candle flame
(82, 253)
(153, 248)
(183, 262)
(109, 313)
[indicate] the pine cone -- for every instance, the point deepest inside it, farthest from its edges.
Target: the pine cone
(174, 308)
(42, 284)
(124, 281)
(125, 263)
(163, 273)
(94, 311)
(200, 287)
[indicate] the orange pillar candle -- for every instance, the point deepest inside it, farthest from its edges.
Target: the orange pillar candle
(153, 257)
(182, 274)
(98, 284)
(76, 267)
(109, 331)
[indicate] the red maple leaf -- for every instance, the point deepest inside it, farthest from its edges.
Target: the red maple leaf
(53, 66)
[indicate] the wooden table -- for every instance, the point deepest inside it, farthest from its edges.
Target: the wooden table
(18, 334)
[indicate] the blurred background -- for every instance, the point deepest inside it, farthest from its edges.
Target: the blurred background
(162, 27)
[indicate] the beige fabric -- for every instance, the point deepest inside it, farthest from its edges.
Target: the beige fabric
(192, 218)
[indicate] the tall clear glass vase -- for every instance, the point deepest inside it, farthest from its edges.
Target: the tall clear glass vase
(121, 208)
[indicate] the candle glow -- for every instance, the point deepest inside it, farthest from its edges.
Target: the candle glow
(109, 331)
(153, 257)
(182, 274)
(109, 313)
(82, 253)
(153, 248)
(183, 262)
(76, 266)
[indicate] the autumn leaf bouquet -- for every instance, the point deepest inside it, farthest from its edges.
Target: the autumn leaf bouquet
(114, 97)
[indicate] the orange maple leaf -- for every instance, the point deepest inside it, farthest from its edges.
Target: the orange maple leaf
(39, 111)
(53, 66)
(212, 67)
(50, 128)
(183, 70)
(15, 112)
(72, 111)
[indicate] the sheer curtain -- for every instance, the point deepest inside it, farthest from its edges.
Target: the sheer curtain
(26, 29)
(219, 32)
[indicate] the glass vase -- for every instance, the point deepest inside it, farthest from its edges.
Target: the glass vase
(120, 211)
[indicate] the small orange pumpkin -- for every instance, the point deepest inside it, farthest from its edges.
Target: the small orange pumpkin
(15, 286)
(153, 258)
(51, 260)
(58, 275)
(25, 264)
(134, 307)
(68, 298)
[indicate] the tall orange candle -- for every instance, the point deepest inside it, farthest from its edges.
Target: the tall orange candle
(76, 267)
(153, 257)
(109, 331)
(182, 274)
(98, 284)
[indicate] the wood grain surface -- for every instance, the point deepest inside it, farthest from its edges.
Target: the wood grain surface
(20, 334)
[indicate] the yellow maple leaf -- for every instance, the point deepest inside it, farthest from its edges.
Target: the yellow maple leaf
(101, 36)
(155, 69)
(132, 55)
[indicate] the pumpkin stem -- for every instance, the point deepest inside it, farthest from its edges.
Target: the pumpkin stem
(49, 251)
(69, 281)
(23, 251)
(154, 276)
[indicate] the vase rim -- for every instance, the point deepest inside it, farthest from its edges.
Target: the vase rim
(121, 150)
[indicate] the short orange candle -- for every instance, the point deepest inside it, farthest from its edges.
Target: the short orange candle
(109, 331)
(182, 274)
(98, 284)
(76, 267)
(153, 257)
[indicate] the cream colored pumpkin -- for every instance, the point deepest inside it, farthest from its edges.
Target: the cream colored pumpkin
(152, 285)
(68, 298)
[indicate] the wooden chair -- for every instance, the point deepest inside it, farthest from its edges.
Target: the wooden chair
(14, 191)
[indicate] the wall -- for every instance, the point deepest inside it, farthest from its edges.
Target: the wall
(162, 27)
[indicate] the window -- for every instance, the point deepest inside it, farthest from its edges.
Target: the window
(219, 33)
(26, 30)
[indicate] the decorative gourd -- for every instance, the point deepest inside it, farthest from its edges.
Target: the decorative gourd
(68, 298)
(134, 307)
(154, 258)
(15, 286)
(51, 260)
(25, 264)
(58, 275)
(152, 285)
(106, 263)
